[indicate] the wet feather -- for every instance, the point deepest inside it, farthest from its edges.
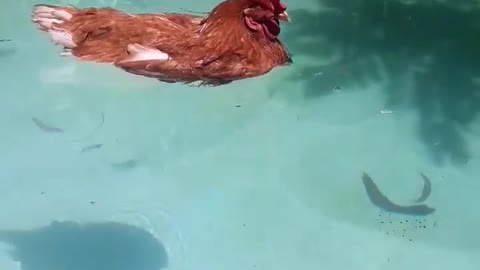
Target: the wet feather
(212, 49)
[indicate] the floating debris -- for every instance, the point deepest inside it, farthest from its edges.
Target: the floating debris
(427, 189)
(91, 147)
(45, 127)
(386, 111)
(381, 201)
(5, 40)
(48, 128)
(127, 164)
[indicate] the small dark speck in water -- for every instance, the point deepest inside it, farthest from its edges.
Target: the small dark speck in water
(337, 88)
(43, 192)
(404, 228)
(92, 202)
(238, 106)
(243, 225)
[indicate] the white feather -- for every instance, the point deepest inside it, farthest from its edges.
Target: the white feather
(62, 37)
(140, 53)
(49, 19)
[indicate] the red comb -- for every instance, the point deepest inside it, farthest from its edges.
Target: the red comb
(279, 6)
(275, 5)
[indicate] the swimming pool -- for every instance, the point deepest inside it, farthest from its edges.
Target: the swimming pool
(264, 173)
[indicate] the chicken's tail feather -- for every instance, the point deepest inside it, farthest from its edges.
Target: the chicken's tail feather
(50, 18)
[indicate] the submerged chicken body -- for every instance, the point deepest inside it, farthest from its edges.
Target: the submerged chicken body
(236, 40)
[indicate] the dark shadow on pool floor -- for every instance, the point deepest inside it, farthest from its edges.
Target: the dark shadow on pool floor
(434, 44)
(91, 246)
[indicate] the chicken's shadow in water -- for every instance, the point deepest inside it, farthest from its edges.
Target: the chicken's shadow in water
(91, 246)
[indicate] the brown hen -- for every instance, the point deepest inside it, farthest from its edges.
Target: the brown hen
(238, 39)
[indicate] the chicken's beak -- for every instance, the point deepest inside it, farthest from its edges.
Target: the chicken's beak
(284, 16)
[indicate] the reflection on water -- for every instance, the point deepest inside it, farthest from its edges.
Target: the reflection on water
(433, 72)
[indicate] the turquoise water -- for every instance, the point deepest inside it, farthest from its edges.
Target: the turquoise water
(259, 174)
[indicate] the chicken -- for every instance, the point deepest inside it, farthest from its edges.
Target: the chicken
(238, 39)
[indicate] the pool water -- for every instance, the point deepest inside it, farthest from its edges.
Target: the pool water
(262, 173)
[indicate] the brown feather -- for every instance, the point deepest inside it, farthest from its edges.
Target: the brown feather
(215, 49)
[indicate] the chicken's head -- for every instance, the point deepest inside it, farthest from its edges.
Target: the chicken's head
(263, 16)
